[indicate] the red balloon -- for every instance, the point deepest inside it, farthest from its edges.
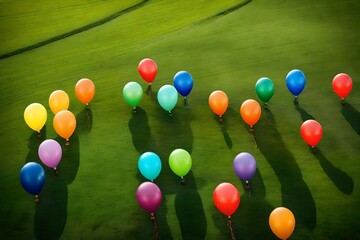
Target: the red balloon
(226, 198)
(147, 69)
(311, 132)
(342, 85)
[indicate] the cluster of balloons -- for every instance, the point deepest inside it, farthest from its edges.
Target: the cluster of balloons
(167, 95)
(226, 198)
(32, 175)
(64, 121)
(250, 109)
(150, 165)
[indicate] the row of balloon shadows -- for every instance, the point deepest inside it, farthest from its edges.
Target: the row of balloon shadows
(64, 121)
(226, 197)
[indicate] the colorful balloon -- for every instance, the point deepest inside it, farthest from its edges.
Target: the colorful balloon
(85, 90)
(64, 124)
(32, 178)
(218, 102)
(250, 111)
(133, 93)
(147, 69)
(50, 153)
(264, 88)
(149, 196)
(244, 166)
(295, 81)
(58, 100)
(226, 198)
(311, 131)
(282, 222)
(180, 162)
(35, 116)
(149, 165)
(183, 83)
(167, 97)
(342, 85)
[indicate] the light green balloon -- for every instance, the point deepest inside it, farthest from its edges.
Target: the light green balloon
(132, 93)
(180, 162)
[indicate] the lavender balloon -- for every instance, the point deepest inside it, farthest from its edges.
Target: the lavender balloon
(149, 196)
(244, 166)
(50, 153)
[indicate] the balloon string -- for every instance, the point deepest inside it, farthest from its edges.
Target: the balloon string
(253, 138)
(232, 232)
(156, 230)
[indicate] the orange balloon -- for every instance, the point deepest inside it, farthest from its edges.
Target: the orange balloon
(282, 222)
(58, 100)
(250, 111)
(85, 90)
(218, 102)
(64, 124)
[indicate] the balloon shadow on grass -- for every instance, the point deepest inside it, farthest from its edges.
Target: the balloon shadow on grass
(227, 122)
(295, 193)
(143, 141)
(304, 114)
(341, 180)
(84, 121)
(175, 132)
(253, 211)
(352, 116)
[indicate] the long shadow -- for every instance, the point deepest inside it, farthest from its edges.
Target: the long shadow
(143, 141)
(341, 180)
(227, 121)
(304, 114)
(253, 211)
(175, 132)
(51, 213)
(295, 193)
(352, 116)
(84, 121)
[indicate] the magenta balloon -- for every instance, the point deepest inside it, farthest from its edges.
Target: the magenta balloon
(149, 196)
(50, 153)
(244, 166)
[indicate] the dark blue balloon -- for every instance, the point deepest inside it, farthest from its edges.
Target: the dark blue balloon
(32, 177)
(295, 81)
(183, 83)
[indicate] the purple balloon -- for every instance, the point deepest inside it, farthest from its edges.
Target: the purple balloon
(244, 166)
(50, 153)
(149, 196)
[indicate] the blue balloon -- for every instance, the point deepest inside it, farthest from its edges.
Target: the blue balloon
(167, 97)
(295, 81)
(149, 165)
(183, 83)
(32, 178)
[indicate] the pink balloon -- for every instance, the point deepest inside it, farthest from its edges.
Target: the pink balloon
(149, 196)
(50, 153)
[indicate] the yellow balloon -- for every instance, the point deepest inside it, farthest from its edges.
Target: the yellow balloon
(35, 116)
(58, 100)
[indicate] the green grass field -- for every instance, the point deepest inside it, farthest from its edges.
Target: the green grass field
(94, 195)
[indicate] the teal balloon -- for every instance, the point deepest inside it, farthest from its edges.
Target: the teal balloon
(180, 162)
(167, 97)
(132, 93)
(264, 89)
(149, 165)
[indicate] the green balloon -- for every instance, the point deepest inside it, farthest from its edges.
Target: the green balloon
(180, 162)
(132, 93)
(264, 89)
